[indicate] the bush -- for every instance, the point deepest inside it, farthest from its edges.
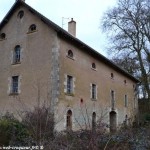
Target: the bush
(12, 131)
(40, 124)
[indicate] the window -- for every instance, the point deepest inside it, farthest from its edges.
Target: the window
(20, 14)
(32, 28)
(125, 82)
(93, 66)
(112, 75)
(2, 36)
(69, 84)
(69, 120)
(93, 121)
(126, 101)
(15, 83)
(70, 53)
(94, 92)
(112, 99)
(16, 54)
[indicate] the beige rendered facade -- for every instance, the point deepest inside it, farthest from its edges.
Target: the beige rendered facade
(40, 60)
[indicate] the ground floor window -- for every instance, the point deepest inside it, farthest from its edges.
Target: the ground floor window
(69, 120)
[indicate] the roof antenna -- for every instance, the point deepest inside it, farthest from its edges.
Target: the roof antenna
(63, 23)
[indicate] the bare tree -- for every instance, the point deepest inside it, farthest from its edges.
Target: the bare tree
(128, 27)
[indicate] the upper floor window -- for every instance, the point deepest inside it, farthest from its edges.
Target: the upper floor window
(20, 14)
(69, 84)
(93, 66)
(16, 54)
(32, 28)
(2, 36)
(112, 75)
(125, 82)
(15, 83)
(93, 91)
(126, 101)
(70, 54)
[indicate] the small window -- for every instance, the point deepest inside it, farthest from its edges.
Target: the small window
(112, 99)
(69, 120)
(93, 121)
(16, 54)
(125, 82)
(112, 75)
(126, 101)
(32, 28)
(69, 84)
(93, 66)
(70, 53)
(20, 14)
(94, 91)
(14, 87)
(2, 36)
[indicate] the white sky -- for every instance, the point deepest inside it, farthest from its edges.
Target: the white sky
(86, 13)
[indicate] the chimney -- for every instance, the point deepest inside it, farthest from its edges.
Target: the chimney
(21, 0)
(72, 27)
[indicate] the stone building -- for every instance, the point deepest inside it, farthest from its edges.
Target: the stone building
(40, 61)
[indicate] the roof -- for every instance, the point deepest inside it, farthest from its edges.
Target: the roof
(64, 34)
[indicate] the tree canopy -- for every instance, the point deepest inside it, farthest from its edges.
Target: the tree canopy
(128, 28)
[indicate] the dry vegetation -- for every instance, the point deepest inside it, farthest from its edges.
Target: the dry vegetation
(37, 128)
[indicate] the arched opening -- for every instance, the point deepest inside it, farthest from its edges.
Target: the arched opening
(69, 120)
(113, 121)
(32, 28)
(20, 14)
(93, 65)
(93, 121)
(70, 53)
(17, 54)
(126, 121)
(2, 36)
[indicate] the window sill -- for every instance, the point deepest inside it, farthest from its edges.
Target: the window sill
(30, 32)
(3, 39)
(70, 57)
(69, 94)
(14, 94)
(94, 69)
(93, 99)
(16, 63)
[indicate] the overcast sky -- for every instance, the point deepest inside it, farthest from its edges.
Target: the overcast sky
(86, 13)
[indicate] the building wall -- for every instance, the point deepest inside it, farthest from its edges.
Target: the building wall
(84, 76)
(43, 70)
(35, 70)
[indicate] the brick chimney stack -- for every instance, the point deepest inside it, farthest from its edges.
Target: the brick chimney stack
(72, 27)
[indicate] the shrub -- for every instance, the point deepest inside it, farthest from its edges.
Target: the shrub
(12, 131)
(40, 124)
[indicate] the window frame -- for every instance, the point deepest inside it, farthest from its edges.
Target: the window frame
(93, 91)
(69, 120)
(70, 54)
(32, 28)
(17, 54)
(112, 99)
(93, 66)
(2, 36)
(20, 14)
(112, 75)
(14, 85)
(69, 86)
(126, 100)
